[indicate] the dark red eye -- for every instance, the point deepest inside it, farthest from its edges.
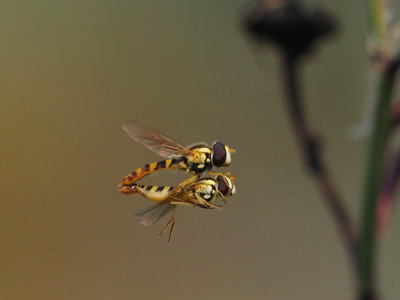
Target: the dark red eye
(222, 186)
(219, 154)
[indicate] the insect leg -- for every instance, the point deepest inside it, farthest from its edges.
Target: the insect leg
(205, 203)
(227, 174)
(212, 173)
(172, 222)
(170, 232)
(226, 201)
(181, 186)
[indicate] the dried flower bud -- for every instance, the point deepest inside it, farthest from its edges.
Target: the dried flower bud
(288, 24)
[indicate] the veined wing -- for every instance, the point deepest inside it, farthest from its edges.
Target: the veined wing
(153, 213)
(155, 140)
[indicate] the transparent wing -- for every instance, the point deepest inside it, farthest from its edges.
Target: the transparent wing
(152, 214)
(155, 140)
(197, 144)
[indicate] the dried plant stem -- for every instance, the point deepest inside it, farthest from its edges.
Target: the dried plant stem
(311, 152)
(387, 66)
(373, 182)
(376, 14)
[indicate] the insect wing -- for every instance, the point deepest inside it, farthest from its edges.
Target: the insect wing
(155, 140)
(152, 214)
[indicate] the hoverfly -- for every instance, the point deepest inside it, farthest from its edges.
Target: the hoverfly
(194, 191)
(196, 159)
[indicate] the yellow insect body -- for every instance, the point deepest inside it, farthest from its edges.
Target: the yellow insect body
(196, 159)
(201, 192)
(194, 191)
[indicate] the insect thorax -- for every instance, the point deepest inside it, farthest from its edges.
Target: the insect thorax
(206, 189)
(199, 160)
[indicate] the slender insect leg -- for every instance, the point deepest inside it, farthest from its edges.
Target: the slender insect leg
(180, 201)
(172, 222)
(184, 183)
(227, 174)
(212, 173)
(226, 201)
(205, 203)
(170, 231)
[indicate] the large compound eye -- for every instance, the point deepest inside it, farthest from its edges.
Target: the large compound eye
(223, 186)
(218, 154)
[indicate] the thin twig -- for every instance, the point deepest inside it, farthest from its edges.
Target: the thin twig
(311, 152)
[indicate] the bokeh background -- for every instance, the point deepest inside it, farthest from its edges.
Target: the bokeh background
(73, 71)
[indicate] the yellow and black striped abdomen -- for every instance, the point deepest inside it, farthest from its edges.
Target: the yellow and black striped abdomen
(147, 169)
(152, 192)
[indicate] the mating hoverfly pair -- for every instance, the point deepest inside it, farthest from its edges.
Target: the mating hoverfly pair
(194, 191)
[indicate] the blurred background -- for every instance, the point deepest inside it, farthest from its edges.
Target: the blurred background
(73, 71)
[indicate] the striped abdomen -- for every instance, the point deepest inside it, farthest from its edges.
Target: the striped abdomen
(151, 192)
(177, 164)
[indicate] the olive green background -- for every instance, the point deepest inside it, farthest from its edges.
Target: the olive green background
(73, 71)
